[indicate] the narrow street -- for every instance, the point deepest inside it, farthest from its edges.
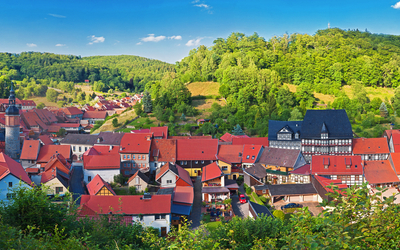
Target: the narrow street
(195, 216)
(239, 209)
(76, 183)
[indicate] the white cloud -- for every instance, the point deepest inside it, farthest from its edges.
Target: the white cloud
(95, 39)
(31, 45)
(58, 16)
(396, 6)
(152, 38)
(139, 43)
(196, 1)
(60, 45)
(194, 42)
(202, 5)
(175, 37)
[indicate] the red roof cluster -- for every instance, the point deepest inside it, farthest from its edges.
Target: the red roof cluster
(164, 149)
(250, 153)
(70, 111)
(253, 140)
(160, 132)
(228, 137)
(230, 153)
(30, 150)
(47, 151)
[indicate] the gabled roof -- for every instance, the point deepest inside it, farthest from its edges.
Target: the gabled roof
(303, 170)
(325, 182)
(254, 140)
(45, 115)
(110, 138)
(227, 137)
(72, 111)
(203, 137)
(30, 150)
(395, 159)
(184, 194)
(55, 173)
(160, 132)
(275, 126)
(97, 184)
(59, 162)
(230, 153)
(370, 146)
(45, 139)
(141, 176)
(377, 172)
(82, 139)
(197, 149)
(165, 168)
(211, 171)
(164, 149)
(136, 143)
(279, 157)
(184, 175)
(336, 122)
(47, 151)
(257, 171)
(251, 153)
(125, 204)
(95, 115)
(337, 165)
(101, 157)
(10, 166)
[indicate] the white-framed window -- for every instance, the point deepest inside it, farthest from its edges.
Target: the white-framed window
(169, 181)
(202, 162)
(196, 162)
(137, 180)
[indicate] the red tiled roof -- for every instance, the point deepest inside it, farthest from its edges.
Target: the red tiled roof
(125, 204)
(250, 153)
(72, 111)
(141, 131)
(9, 166)
(164, 149)
(54, 173)
(68, 125)
(97, 184)
(191, 137)
(336, 165)
(58, 161)
(377, 172)
(163, 170)
(254, 140)
(303, 170)
(45, 139)
(95, 115)
(30, 150)
(325, 182)
(101, 157)
(370, 146)
(228, 137)
(197, 149)
(396, 161)
(28, 103)
(184, 175)
(160, 132)
(211, 171)
(135, 143)
(32, 170)
(230, 153)
(183, 194)
(47, 151)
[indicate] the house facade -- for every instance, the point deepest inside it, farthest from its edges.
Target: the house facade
(230, 160)
(103, 161)
(326, 132)
(79, 143)
(213, 184)
(135, 153)
(284, 134)
(139, 180)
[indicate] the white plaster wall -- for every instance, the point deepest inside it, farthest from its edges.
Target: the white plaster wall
(149, 221)
(4, 189)
(107, 174)
(168, 176)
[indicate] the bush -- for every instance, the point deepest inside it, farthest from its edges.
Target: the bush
(290, 210)
(132, 190)
(245, 186)
(120, 179)
(248, 190)
(115, 122)
(263, 199)
(227, 201)
(279, 214)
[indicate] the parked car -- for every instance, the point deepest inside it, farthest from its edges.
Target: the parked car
(290, 205)
(242, 198)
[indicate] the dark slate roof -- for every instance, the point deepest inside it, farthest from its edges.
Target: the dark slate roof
(259, 209)
(257, 171)
(279, 157)
(110, 138)
(143, 177)
(336, 122)
(275, 126)
(291, 189)
(84, 139)
(261, 187)
(166, 191)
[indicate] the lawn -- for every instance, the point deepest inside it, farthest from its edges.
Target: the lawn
(140, 123)
(207, 103)
(211, 226)
(122, 118)
(204, 88)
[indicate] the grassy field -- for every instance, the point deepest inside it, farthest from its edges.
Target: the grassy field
(141, 123)
(203, 88)
(122, 118)
(88, 90)
(206, 103)
(40, 99)
(371, 93)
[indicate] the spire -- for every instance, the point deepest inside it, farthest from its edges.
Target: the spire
(12, 109)
(11, 99)
(324, 129)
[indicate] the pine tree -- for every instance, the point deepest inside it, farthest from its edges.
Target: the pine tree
(237, 130)
(383, 110)
(183, 117)
(147, 105)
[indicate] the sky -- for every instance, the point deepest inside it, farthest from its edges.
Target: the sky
(168, 30)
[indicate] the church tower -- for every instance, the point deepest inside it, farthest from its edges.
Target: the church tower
(13, 148)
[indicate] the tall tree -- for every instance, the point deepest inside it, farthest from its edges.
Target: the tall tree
(147, 104)
(237, 130)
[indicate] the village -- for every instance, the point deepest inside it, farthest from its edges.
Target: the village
(160, 180)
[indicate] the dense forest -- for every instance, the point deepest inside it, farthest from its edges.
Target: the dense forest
(358, 220)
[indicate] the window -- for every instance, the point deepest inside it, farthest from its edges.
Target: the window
(133, 157)
(85, 149)
(248, 157)
(144, 157)
(224, 168)
(264, 191)
(124, 157)
(10, 196)
(202, 162)
(252, 157)
(196, 162)
(10, 184)
(326, 166)
(139, 157)
(59, 190)
(169, 181)
(73, 148)
(137, 180)
(127, 172)
(80, 149)
(138, 188)
(195, 171)
(185, 162)
(160, 217)
(89, 178)
(129, 156)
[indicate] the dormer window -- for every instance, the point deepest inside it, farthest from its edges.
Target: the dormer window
(296, 136)
(324, 136)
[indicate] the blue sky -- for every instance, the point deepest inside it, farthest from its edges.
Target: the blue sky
(168, 30)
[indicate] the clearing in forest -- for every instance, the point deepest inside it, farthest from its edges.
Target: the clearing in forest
(204, 88)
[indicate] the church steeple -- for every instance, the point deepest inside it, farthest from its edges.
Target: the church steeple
(13, 148)
(12, 109)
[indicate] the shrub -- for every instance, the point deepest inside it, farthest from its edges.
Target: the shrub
(279, 214)
(115, 122)
(290, 210)
(120, 179)
(248, 190)
(228, 201)
(263, 199)
(132, 190)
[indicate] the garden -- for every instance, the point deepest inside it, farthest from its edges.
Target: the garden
(217, 212)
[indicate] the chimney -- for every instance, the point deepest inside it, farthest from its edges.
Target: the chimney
(111, 147)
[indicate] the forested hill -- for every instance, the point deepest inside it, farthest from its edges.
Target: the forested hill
(122, 72)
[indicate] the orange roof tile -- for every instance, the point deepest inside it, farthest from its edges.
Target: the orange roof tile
(9, 166)
(254, 140)
(47, 151)
(337, 165)
(183, 194)
(250, 153)
(95, 115)
(230, 153)
(211, 171)
(379, 172)
(197, 149)
(227, 137)
(97, 184)
(370, 146)
(72, 111)
(164, 149)
(395, 158)
(30, 150)
(160, 132)
(136, 143)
